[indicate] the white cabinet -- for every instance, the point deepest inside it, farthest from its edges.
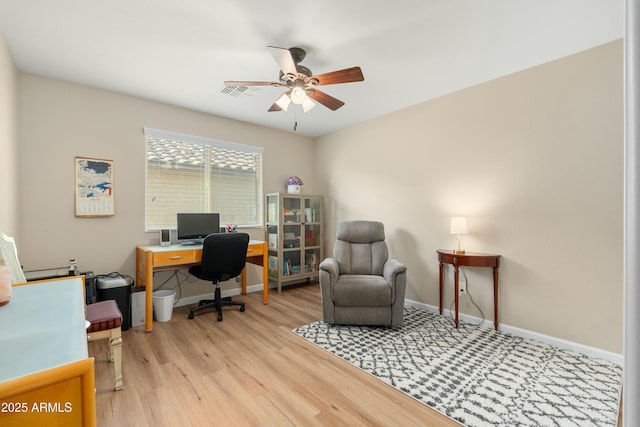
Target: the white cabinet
(295, 236)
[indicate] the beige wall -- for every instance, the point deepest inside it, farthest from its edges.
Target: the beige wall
(59, 120)
(8, 143)
(534, 160)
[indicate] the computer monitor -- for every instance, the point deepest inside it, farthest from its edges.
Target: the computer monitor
(194, 227)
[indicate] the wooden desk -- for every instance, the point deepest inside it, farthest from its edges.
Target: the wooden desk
(469, 259)
(150, 259)
(46, 376)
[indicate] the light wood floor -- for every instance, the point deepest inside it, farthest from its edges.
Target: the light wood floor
(248, 370)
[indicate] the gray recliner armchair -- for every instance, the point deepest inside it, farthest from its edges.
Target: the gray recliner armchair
(360, 285)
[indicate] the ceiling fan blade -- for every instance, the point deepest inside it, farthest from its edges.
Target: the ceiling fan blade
(348, 75)
(284, 59)
(327, 100)
(274, 107)
(243, 83)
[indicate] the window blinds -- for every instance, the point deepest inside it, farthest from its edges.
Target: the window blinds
(186, 173)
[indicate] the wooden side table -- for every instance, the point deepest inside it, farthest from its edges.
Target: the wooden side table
(469, 259)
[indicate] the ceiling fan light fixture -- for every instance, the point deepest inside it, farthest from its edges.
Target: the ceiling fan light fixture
(298, 95)
(301, 83)
(308, 105)
(284, 101)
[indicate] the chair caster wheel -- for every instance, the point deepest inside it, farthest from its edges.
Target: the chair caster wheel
(241, 308)
(191, 316)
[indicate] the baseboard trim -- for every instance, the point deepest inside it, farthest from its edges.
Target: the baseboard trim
(193, 299)
(558, 342)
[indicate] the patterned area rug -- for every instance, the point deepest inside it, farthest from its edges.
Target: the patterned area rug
(477, 376)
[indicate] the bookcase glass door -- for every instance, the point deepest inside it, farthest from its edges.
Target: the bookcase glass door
(295, 235)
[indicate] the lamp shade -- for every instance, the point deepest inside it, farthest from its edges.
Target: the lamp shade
(284, 101)
(459, 225)
(298, 95)
(308, 105)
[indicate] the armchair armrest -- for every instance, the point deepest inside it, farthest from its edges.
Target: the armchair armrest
(330, 265)
(395, 273)
(391, 269)
(329, 271)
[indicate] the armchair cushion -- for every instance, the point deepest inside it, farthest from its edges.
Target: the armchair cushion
(358, 290)
(360, 231)
(360, 247)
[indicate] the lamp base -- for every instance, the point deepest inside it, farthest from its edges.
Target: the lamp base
(458, 251)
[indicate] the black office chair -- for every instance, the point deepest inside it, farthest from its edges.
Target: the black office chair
(223, 258)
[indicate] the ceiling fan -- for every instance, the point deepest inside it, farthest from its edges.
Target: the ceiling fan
(301, 84)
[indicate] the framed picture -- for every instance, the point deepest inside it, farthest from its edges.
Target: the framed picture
(94, 187)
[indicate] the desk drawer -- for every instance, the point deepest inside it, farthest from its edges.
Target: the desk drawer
(255, 249)
(176, 257)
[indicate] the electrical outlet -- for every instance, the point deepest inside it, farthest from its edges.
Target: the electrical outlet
(462, 283)
(462, 287)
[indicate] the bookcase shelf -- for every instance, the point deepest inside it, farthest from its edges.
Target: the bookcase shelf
(294, 229)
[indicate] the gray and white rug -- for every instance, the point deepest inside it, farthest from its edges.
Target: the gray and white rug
(477, 376)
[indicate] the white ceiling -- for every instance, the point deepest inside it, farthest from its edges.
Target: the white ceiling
(180, 51)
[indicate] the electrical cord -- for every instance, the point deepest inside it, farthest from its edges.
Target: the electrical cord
(451, 315)
(178, 286)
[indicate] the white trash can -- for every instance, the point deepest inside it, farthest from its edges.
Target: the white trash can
(163, 304)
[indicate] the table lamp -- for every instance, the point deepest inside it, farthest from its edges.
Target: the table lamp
(458, 226)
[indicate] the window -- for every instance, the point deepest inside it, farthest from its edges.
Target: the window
(187, 173)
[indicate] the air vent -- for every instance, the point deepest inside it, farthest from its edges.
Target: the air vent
(239, 90)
